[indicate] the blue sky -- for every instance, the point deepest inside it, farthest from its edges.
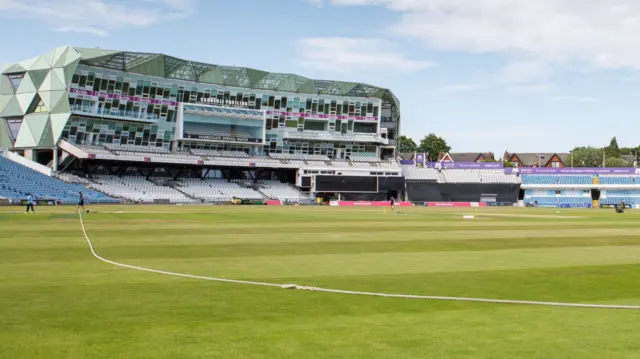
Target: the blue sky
(488, 75)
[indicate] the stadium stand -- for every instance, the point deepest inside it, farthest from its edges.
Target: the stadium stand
(16, 181)
(419, 173)
(138, 189)
(461, 176)
(282, 191)
(488, 176)
(613, 197)
(559, 200)
(557, 179)
(364, 159)
(619, 180)
(217, 190)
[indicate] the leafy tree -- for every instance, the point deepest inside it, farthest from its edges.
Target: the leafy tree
(508, 164)
(628, 150)
(585, 157)
(406, 145)
(433, 145)
(616, 162)
(612, 151)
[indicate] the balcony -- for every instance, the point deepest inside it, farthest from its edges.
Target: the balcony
(115, 114)
(328, 136)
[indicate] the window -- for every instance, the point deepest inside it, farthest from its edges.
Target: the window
(16, 79)
(555, 164)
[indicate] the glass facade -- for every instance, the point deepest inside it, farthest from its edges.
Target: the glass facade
(121, 96)
(96, 95)
(94, 131)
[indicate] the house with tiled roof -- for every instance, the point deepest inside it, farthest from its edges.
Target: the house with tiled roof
(465, 157)
(551, 160)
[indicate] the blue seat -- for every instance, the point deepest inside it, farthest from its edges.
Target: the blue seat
(557, 179)
(16, 181)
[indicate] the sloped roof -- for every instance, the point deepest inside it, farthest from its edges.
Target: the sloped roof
(531, 159)
(469, 156)
(160, 65)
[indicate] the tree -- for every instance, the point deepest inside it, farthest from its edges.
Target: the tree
(612, 151)
(616, 162)
(433, 145)
(406, 145)
(585, 157)
(509, 164)
(628, 150)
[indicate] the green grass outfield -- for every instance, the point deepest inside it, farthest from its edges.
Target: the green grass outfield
(57, 301)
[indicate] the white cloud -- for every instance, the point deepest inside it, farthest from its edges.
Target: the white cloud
(601, 33)
(83, 30)
(524, 72)
(339, 54)
(578, 99)
(96, 17)
(461, 88)
(535, 88)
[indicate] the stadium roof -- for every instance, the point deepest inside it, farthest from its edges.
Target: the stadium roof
(166, 66)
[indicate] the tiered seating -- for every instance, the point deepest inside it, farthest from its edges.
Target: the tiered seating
(217, 190)
(616, 197)
(281, 191)
(618, 200)
(364, 159)
(559, 179)
(287, 156)
(417, 173)
(389, 164)
(619, 180)
(138, 189)
(16, 181)
(338, 164)
(136, 148)
(71, 178)
(557, 201)
(179, 157)
(461, 176)
(214, 153)
(96, 150)
(319, 163)
(497, 177)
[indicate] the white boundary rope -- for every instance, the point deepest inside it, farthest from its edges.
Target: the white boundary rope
(351, 292)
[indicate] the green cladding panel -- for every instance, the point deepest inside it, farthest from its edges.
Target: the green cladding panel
(25, 138)
(57, 123)
(5, 135)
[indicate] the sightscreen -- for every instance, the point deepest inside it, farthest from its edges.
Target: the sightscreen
(356, 184)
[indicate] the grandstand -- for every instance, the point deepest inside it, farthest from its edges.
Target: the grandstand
(16, 181)
(153, 128)
(87, 112)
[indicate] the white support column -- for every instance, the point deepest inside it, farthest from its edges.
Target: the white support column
(55, 159)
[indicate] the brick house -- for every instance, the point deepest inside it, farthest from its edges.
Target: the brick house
(549, 160)
(465, 157)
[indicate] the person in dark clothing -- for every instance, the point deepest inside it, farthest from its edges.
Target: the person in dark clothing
(81, 202)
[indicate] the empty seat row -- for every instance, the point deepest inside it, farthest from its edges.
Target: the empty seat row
(16, 181)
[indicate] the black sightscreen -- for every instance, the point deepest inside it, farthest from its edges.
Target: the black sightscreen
(346, 184)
